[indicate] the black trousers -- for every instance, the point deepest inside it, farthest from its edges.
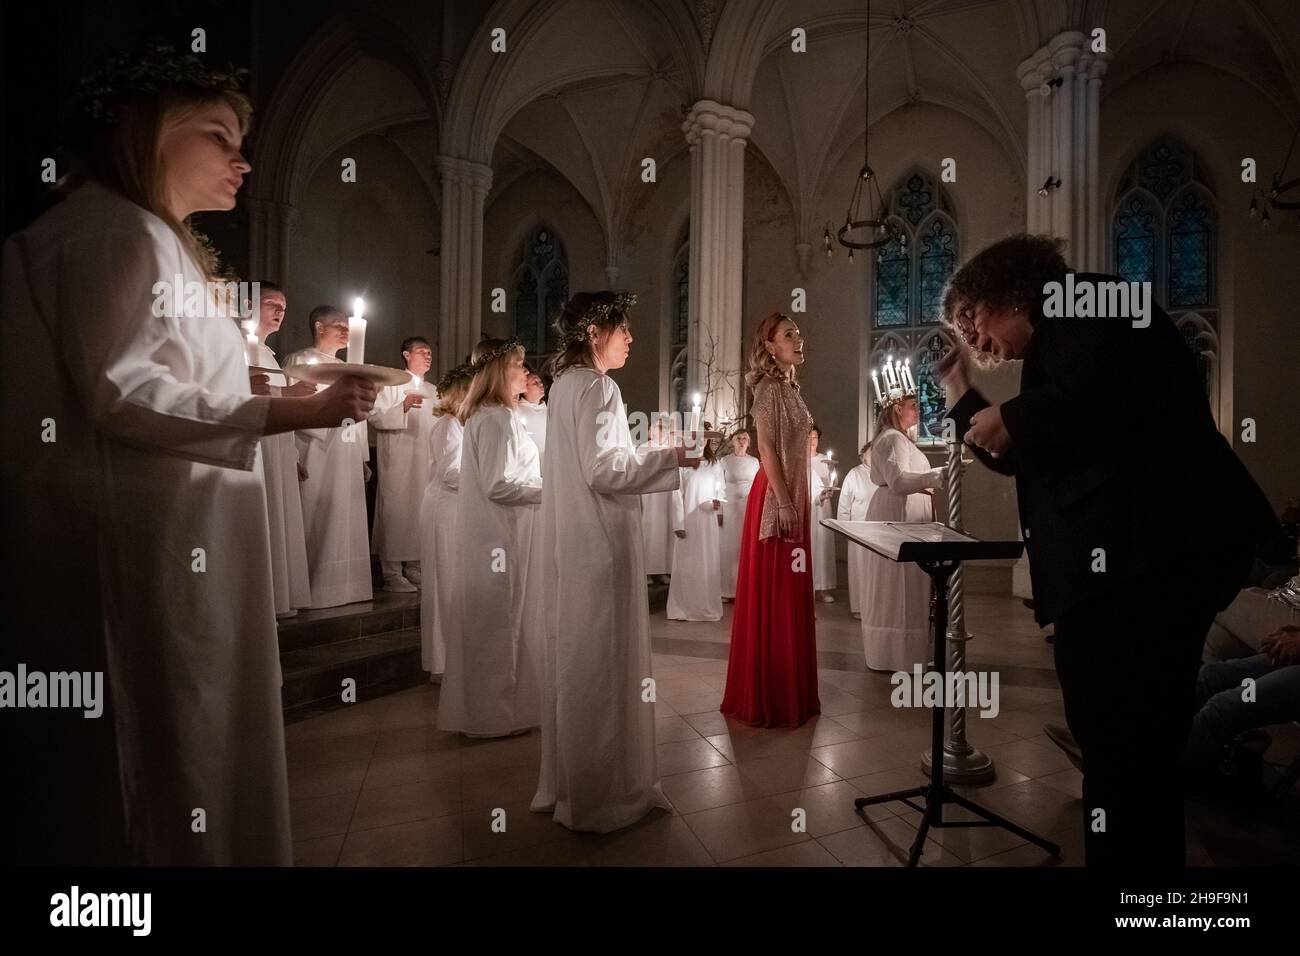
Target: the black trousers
(1127, 663)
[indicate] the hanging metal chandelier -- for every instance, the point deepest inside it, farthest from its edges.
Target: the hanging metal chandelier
(1273, 198)
(865, 228)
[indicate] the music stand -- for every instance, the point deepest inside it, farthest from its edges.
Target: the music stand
(937, 550)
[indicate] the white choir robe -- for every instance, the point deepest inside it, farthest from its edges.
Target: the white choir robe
(155, 488)
(740, 471)
(855, 495)
(292, 586)
(896, 598)
(695, 592)
(599, 769)
(402, 441)
(823, 539)
(657, 526)
(334, 505)
(439, 560)
(534, 418)
(490, 686)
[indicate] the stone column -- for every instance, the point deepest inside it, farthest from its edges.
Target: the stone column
(465, 186)
(1063, 144)
(717, 135)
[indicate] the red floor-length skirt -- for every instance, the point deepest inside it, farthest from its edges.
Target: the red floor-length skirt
(772, 670)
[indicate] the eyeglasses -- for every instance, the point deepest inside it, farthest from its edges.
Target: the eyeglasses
(965, 323)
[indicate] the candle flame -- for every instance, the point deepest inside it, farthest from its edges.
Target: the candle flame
(358, 307)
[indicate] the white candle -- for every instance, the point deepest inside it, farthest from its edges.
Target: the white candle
(907, 374)
(695, 415)
(833, 474)
(875, 380)
(357, 334)
(251, 352)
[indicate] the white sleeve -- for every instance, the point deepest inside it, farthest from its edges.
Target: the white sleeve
(891, 463)
(387, 415)
(498, 460)
(612, 466)
(848, 495)
(135, 372)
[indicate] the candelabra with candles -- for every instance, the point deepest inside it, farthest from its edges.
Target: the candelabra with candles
(898, 380)
(962, 763)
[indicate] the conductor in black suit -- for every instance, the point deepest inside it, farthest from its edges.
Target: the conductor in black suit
(1129, 563)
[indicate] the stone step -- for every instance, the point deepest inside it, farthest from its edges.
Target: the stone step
(313, 675)
(386, 612)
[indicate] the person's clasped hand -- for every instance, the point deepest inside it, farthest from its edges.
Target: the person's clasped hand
(987, 431)
(1283, 645)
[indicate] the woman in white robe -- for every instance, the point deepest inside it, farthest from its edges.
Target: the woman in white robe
(334, 491)
(493, 630)
(440, 560)
(154, 491)
(896, 599)
(289, 580)
(695, 592)
(825, 576)
(739, 468)
(532, 411)
(599, 769)
(657, 514)
(855, 495)
(402, 419)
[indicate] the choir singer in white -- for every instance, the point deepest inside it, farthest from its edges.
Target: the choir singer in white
(739, 467)
(403, 421)
(493, 631)
(599, 771)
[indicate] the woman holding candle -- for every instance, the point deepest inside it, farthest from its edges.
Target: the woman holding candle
(490, 686)
(772, 670)
(896, 596)
(532, 409)
(155, 485)
(440, 560)
(739, 467)
(599, 769)
(657, 512)
(695, 592)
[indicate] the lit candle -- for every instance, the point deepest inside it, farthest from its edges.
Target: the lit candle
(907, 375)
(357, 334)
(695, 415)
(252, 354)
(875, 380)
(834, 473)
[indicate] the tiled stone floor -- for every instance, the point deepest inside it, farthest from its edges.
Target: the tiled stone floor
(378, 784)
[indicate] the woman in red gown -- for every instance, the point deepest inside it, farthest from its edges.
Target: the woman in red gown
(772, 670)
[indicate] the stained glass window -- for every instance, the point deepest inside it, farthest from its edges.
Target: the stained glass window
(1191, 225)
(679, 347)
(526, 310)
(1164, 231)
(938, 254)
(1135, 238)
(910, 274)
(929, 393)
(893, 278)
(541, 287)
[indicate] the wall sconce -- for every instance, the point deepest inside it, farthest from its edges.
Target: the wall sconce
(1048, 186)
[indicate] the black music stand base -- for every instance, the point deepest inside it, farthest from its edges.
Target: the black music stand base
(936, 793)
